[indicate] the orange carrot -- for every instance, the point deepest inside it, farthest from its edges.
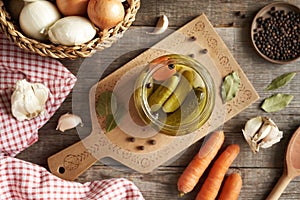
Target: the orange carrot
(212, 183)
(191, 175)
(232, 187)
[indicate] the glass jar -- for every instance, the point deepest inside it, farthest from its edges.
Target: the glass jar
(175, 94)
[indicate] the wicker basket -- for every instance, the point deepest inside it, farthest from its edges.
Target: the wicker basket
(102, 41)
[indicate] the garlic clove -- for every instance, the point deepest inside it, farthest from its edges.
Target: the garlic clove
(252, 126)
(161, 26)
(41, 92)
(273, 138)
(253, 145)
(68, 121)
(262, 133)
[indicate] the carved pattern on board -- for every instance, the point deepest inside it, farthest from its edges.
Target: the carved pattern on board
(206, 37)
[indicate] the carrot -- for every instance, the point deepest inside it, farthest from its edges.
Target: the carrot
(232, 187)
(212, 183)
(191, 175)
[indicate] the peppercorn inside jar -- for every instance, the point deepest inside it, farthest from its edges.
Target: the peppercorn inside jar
(175, 94)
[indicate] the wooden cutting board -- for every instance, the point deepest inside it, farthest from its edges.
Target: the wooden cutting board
(191, 39)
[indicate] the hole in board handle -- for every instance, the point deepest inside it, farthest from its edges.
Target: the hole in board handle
(61, 170)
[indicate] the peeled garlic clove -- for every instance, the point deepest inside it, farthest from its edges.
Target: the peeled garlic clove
(161, 26)
(68, 121)
(26, 101)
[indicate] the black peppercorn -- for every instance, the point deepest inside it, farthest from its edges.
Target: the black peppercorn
(149, 85)
(204, 51)
(193, 38)
(131, 139)
(152, 142)
(140, 147)
(191, 55)
(171, 66)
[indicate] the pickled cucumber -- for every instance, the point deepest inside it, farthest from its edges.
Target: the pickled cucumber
(191, 107)
(197, 82)
(181, 91)
(163, 92)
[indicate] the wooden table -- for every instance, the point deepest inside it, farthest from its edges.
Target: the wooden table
(260, 171)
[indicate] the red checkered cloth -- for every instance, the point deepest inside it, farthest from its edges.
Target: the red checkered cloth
(20, 180)
(15, 64)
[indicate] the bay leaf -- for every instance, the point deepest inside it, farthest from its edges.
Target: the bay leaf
(112, 120)
(106, 104)
(280, 81)
(276, 102)
(230, 86)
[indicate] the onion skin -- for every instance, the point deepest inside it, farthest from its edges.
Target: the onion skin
(105, 14)
(72, 7)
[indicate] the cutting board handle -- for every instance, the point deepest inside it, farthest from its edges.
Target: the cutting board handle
(69, 163)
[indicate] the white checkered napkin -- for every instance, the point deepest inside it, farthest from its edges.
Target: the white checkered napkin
(16, 64)
(20, 180)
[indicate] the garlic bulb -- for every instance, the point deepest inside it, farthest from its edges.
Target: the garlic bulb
(28, 100)
(68, 121)
(71, 30)
(261, 132)
(36, 17)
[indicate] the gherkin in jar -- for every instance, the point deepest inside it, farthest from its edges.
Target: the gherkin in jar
(182, 96)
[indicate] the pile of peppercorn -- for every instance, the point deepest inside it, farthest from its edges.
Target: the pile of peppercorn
(278, 36)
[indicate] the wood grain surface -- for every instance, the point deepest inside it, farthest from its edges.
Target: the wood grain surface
(260, 171)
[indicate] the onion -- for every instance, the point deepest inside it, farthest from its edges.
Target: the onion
(36, 17)
(105, 14)
(72, 7)
(71, 30)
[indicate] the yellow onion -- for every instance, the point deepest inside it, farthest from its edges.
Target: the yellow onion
(72, 7)
(105, 14)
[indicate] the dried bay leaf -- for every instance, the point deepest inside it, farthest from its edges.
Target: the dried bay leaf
(112, 120)
(276, 102)
(280, 81)
(110, 123)
(106, 104)
(230, 86)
